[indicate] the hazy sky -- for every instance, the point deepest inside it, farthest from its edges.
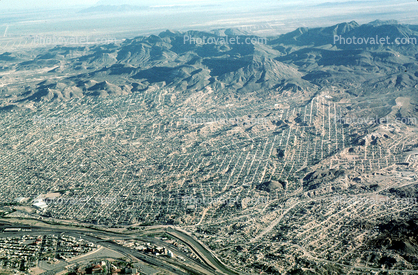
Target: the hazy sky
(280, 15)
(44, 4)
(34, 4)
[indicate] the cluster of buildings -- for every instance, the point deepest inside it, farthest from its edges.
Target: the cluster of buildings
(172, 181)
(147, 248)
(24, 252)
(144, 172)
(105, 267)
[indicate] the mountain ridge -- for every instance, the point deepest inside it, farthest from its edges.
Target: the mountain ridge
(292, 62)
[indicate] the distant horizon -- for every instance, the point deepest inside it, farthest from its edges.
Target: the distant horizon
(46, 4)
(209, 136)
(265, 18)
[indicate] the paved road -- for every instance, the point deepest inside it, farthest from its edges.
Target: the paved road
(212, 264)
(205, 255)
(178, 252)
(199, 249)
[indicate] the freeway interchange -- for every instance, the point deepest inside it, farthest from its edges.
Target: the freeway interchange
(205, 263)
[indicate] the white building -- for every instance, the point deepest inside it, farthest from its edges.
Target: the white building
(40, 204)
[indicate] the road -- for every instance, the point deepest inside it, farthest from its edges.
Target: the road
(199, 249)
(211, 264)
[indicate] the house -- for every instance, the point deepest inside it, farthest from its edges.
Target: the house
(40, 204)
(131, 271)
(81, 271)
(96, 269)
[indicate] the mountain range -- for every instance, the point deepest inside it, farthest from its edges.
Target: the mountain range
(282, 107)
(293, 63)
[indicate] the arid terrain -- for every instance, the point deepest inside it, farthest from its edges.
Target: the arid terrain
(290, 155)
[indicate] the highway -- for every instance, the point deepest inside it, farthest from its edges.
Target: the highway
(199, 249)
(210, 265)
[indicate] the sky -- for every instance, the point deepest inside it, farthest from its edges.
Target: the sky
(38, 17)
(36, 4)
(47, 4)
